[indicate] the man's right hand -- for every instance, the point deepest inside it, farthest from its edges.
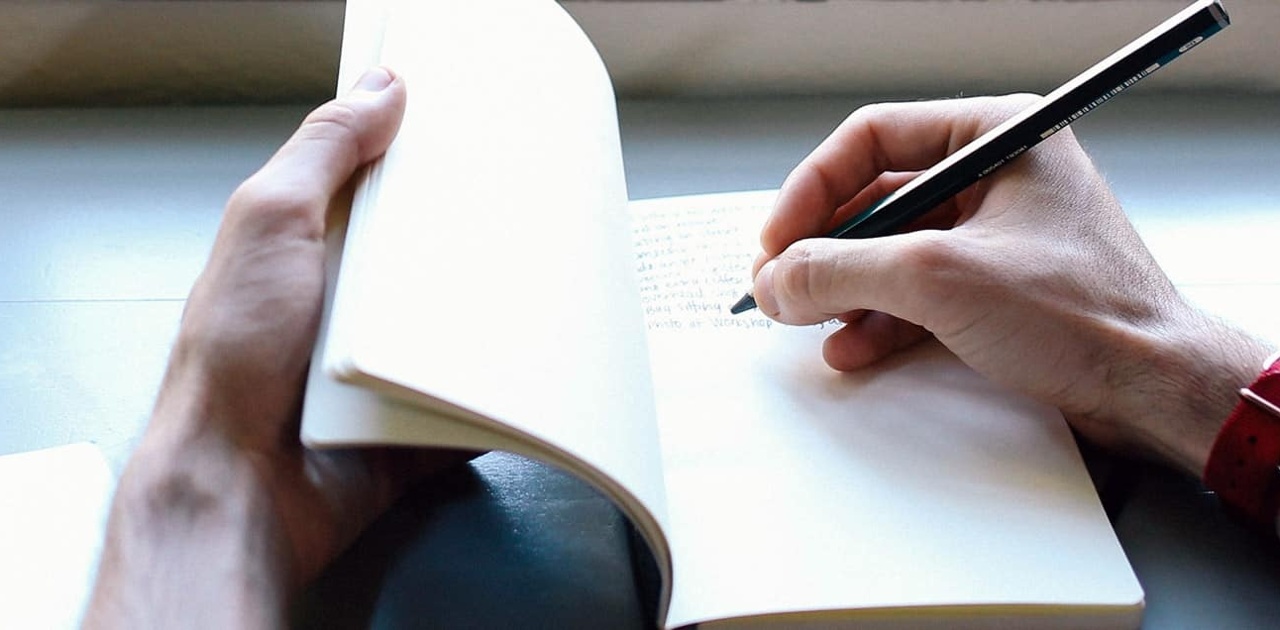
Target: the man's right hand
(1038, 280)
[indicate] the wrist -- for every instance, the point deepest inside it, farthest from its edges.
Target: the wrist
(1196, 372)
(190, 534)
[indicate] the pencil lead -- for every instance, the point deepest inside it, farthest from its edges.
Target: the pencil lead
(743, 305)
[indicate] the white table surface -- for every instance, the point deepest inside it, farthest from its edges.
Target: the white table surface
(106, 217)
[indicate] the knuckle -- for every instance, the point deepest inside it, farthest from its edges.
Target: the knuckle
(275, 206)
(936, 265)
(877, 110)
(804, 277)
(817, 173)
(791, 277)
(283, 196)
(990, 111)
(335, 120)
(1017, 101)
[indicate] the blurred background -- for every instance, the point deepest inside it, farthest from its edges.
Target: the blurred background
(134, 52)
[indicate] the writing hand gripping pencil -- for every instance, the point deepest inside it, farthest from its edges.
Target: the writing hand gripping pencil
(1039, 119)
(1041, 283)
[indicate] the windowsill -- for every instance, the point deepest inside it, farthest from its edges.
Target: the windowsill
(67, 52)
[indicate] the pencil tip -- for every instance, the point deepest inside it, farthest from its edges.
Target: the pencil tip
(743, 305)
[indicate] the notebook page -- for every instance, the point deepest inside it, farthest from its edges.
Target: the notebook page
(54, 504)
(795, 488)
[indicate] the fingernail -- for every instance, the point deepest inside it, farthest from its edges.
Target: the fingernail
(375, 79)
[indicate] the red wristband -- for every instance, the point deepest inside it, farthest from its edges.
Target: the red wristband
(1244, 464)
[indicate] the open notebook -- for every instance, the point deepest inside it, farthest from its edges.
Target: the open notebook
(494, 289)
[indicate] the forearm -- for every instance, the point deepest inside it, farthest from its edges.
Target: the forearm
(221, 512)
(192, 542)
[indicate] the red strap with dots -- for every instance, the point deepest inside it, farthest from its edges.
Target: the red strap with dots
(1244, 465)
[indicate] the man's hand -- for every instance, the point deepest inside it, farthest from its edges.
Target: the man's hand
(1040, 283)
(221, 513)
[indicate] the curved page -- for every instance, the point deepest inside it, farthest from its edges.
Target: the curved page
(488, 275)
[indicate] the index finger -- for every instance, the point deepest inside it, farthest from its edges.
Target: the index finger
(876, 139)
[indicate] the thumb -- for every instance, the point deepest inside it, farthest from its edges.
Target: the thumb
(820, 279)
(331, 143)
(341, 135)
